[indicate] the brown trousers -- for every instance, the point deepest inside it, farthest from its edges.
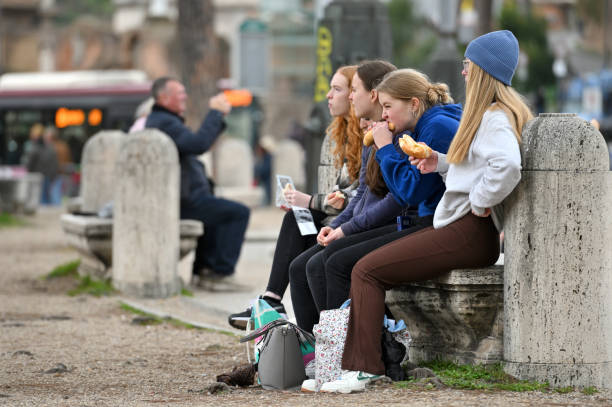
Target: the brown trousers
(469, 242)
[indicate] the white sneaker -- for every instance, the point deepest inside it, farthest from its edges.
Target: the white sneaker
(349, 381)
(309, 386)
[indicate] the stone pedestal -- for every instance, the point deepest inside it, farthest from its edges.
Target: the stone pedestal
(146, 216)
(456, 317)
(234, 167)
(289, 160)
(558, 268)
(98, 166)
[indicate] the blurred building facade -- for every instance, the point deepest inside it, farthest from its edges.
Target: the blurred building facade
(142, 35)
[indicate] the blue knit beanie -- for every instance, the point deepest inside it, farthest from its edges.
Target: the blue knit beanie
(496, 53)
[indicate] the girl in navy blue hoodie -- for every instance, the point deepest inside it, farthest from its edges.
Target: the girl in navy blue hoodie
(416, 107)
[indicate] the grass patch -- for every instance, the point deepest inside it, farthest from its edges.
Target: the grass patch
(132, 310)
(172, 321)
(144, 321)
(93, 287)
(186, 293)
(64, 270)
(564, 390)
(154, 319)
(589, 391)
(8, 220)
(86, 284)
(478, 377)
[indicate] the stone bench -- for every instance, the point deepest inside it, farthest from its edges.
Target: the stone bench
(457, 317)
(92, 237)
(144, 199)
(19, 190)
(552, 300)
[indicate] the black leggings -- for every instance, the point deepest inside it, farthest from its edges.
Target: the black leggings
(289, 245)
(321, 277)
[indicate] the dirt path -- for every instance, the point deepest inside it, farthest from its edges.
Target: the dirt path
(110, 361)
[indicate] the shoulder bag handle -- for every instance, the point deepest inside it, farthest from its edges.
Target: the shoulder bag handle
(263, 330)
(304, 335)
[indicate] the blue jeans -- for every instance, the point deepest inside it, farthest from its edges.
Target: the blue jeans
(225, 224)
(56, 191)
(51, 193)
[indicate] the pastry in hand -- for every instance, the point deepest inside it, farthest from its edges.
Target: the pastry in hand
(414, 149)
(368, 139)
(339, 194)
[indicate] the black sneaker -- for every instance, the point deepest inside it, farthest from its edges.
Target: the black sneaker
(239, 320)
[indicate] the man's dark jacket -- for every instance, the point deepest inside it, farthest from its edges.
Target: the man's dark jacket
(190, 145)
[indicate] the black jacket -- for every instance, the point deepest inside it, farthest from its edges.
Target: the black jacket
(190, 145)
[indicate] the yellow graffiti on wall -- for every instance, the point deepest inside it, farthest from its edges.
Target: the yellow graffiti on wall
(324, 65)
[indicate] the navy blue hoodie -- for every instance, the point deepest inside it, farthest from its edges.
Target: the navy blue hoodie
(436, 128)
(367, 210)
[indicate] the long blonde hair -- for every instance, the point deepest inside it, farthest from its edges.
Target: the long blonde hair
(409, 83)
(346, 134)
(482, 90)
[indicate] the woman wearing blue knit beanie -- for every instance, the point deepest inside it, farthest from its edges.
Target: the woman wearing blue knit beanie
(482, 167)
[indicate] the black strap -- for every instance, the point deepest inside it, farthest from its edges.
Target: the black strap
(302, 334)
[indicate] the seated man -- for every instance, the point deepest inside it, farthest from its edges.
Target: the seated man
(225, 222)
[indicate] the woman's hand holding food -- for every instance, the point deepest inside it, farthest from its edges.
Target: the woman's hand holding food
(368, 138)
(425, 165)
(382, 134)
(336, 200)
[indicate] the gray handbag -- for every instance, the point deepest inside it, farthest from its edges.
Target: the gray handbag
(280, 364)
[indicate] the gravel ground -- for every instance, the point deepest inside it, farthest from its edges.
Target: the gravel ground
(111, 362)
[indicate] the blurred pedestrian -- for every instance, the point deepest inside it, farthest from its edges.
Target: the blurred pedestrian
(42, 158)
(32, 148)
(65, 165)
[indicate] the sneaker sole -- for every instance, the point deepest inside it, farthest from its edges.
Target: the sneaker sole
(343, 391)
(239, 323)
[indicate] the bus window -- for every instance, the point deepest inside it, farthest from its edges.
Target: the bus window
(78, 103)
